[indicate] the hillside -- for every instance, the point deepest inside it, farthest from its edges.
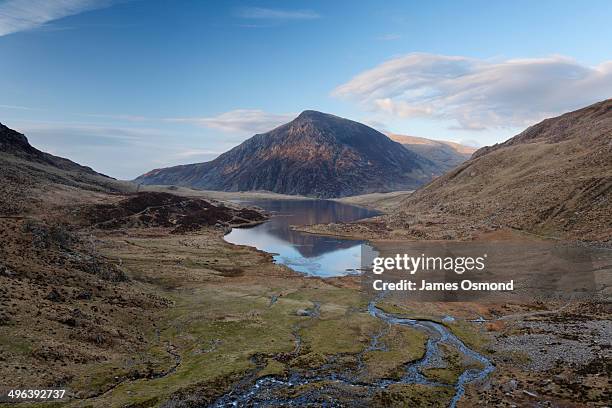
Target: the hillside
(74, 316)
(555, 178)
(445, 155)
(316, 154)
(26, 173)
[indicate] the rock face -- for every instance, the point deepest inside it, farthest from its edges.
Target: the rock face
(316, 154)
(445, 155)
(555, 178)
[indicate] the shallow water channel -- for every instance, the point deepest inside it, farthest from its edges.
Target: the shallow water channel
(326, 257)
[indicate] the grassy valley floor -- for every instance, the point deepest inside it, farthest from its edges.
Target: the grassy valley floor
(196, 318)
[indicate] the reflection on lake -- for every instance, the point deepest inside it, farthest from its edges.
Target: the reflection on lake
(307, 253)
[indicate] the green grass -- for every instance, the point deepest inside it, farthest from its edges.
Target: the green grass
(404, 344)
(413, 395)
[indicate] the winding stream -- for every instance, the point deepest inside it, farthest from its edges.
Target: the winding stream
(268, 391)
(317, 255)
(437, 334)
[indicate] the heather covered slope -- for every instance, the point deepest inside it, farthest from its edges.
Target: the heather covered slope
(555, 178)
(316, 154)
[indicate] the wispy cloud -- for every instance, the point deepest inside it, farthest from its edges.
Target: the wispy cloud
(21, 15)
(376, 124)
(389, 37)
(16, 107)
(86, 134)
(479, 94)
(240, 120)
(119, 151)
(260, 13)
(129, 118)
(190, 153)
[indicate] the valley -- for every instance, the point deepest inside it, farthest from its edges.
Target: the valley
(226, 317)
(157, 296)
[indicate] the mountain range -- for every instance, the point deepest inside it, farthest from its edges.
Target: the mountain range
(445, 155)
(316, 154)
(553, 178)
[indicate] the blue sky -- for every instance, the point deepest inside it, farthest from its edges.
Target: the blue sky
(130, 85)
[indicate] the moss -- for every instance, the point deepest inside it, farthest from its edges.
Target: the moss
(449, 374)
(392, 308)
(404, 311)
(403, 345)
(272, 367)
(218, 323)
(454, 366)
(340, 334)
(413, 395)
(308, 361)
(469, 335)
(15, 344)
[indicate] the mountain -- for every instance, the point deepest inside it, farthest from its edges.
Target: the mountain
(316, 154)
(555, 178)
(445, 155)
(26, 173)
(16, 144)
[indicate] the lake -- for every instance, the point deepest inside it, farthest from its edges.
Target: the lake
(310, 254)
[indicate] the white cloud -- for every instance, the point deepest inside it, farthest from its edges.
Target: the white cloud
(470, 143)
(129, 118)
(240, 120)
(86, 134)
(389, 37)
(479, 94)
(260, 13)
(189, 153)
(375, 124)
(20, 15)
(15, 107)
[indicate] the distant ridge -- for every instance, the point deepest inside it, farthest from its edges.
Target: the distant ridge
(445, 155)
(316, 154)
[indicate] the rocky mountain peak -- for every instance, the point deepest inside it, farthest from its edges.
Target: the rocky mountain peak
(316, 154)
(12, 141)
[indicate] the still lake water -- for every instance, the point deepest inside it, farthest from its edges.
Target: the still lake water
(310, 254)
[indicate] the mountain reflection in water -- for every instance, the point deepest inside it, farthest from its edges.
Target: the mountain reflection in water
(307, 253)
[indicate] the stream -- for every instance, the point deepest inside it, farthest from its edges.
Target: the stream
(269, 390)
(325, 257)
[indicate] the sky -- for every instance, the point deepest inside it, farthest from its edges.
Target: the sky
(125, 86)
